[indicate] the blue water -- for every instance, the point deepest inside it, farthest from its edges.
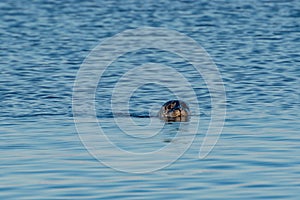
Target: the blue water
(255, 45)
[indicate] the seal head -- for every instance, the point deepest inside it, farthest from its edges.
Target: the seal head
(174, 110)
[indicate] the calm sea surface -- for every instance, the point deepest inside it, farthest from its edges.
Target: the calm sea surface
(256, 46)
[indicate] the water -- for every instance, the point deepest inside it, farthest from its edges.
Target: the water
(255, 45)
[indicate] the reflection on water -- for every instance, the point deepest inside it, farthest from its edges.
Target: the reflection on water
(256, 47)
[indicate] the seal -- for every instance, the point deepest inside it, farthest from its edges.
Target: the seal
(174, 110)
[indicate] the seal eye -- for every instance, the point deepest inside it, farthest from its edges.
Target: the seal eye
(173, 104)
(169, 106)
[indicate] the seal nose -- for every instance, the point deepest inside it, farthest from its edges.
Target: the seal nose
(176, 112)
